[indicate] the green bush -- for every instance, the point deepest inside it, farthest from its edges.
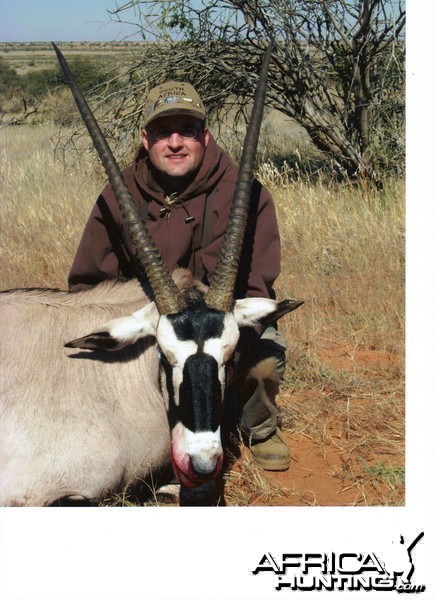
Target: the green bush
(88, 72)
(38, 83)
(35, 84)
(21, 95)
(9, 79)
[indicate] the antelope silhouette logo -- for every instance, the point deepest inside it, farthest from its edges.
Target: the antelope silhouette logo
(401, 564)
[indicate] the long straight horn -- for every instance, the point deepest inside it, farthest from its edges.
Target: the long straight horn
(221, 290)
(168, 298)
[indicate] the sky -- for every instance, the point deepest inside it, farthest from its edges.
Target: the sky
(60, 20)
(63, 20)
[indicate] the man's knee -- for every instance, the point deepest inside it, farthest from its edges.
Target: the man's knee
(270, 365)
(262, 357)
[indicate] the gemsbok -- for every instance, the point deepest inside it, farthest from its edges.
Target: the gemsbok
(145, 388)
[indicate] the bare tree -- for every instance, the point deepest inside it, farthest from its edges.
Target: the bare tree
(337, 67)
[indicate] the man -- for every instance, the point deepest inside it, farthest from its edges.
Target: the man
(183, 183)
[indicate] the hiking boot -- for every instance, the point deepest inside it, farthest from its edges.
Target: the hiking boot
(272, 454)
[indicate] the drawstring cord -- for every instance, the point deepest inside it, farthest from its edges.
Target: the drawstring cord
(165, 211)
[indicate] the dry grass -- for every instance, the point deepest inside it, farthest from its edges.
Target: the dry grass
(343, 253)
(44, 206)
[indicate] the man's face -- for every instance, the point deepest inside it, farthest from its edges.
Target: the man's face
(171, 149)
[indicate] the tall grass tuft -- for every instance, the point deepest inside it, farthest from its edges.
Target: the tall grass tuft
(343, 253)
(44, 206)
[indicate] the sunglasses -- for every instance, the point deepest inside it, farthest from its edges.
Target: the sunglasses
(186, 132)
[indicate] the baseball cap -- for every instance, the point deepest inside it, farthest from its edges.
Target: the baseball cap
(173, 97)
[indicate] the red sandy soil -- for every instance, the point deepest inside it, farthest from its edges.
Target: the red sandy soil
(331, 473)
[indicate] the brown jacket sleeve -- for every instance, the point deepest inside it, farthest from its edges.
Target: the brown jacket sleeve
(260, 260)
(102, 253)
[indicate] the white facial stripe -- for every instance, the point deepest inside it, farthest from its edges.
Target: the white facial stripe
(176, 351)
(177, 382)
(222, 348)
(213, 346)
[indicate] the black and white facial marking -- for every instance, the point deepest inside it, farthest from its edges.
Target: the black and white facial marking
(196, 344)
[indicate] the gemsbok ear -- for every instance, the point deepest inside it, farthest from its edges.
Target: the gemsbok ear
(259, 312)
(121, 332)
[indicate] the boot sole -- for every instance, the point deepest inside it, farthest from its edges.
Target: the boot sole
(269, 466)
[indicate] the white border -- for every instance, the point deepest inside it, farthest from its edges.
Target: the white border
(208, 554)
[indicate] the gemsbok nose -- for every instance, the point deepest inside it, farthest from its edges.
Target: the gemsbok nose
(205, 452)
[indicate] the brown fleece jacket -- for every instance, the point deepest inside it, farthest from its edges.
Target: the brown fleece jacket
(106, 252)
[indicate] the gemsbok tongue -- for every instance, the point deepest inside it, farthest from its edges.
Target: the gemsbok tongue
(189, 478)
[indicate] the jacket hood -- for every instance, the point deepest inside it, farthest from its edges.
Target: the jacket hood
(215, 163)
